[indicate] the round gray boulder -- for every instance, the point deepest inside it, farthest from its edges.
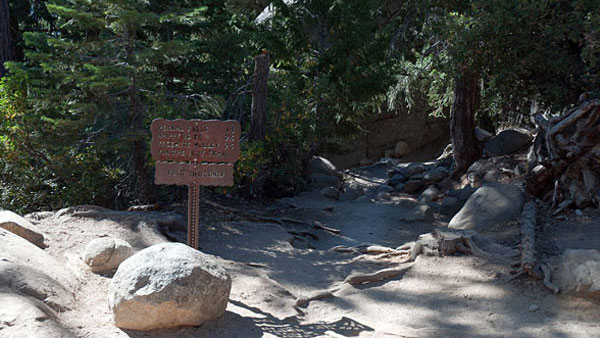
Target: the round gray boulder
(491, 205)
(168, 285)
(105, 254)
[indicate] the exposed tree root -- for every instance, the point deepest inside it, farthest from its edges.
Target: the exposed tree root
(274, 220)
(441, 242)
(383, 274)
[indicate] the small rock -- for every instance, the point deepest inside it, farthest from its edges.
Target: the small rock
(21, 227)
(399, 187)
(430, 194)
(385, 188)
(383, 195)
(578, 212)
(413, 186)
(402, 148)
(168, 285)
(533, 308)
(396, 179)
(419, 177)
(365, 161)
(331, 192)
(105, 254)
(415, 168)
(435, 175)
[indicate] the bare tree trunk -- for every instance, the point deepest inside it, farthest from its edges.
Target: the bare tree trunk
(6, 44)
(462, 123)
(143, 180)
(259, 98)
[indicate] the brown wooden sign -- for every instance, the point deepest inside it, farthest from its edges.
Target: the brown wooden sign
(215, 174)
(203, 153)
(195, 140)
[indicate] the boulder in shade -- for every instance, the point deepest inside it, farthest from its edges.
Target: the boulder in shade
(508, 142)
(489, 206)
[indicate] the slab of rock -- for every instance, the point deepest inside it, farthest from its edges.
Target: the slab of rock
(105, 254)
(331, 192)
(19, 252)
(21, 227)
(579, 272)
(25, 317)
(30, 281)
(168, 285)
(489, 206)
(508, 142)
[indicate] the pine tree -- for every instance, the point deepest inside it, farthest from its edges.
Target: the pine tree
(93, 87)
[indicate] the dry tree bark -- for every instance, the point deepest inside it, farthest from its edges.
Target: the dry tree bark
(564, 163)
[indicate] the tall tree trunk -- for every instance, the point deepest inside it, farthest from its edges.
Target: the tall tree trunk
(462, 123)
(259, 98)
(6, 44)
(143, 180)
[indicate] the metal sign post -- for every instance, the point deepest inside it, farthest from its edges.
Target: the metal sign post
(195, 153)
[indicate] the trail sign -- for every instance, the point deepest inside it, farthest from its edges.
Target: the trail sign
(202, 154)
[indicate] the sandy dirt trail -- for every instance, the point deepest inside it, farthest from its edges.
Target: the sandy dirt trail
(272, 265)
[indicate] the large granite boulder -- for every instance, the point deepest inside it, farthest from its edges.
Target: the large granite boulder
(21, 227)
(105, 254)
(321, 165)
(579, 272)
(508, 142)
(491, 205)
(168, 285)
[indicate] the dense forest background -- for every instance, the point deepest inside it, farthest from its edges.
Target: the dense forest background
(82, 80)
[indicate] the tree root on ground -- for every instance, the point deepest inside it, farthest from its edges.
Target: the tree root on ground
(441, 242)
(273, 220)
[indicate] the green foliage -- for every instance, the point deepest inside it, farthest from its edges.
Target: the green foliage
(86, 96)
(523, 50)
(94, 74)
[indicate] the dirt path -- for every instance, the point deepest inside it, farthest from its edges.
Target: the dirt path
(272, 265)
